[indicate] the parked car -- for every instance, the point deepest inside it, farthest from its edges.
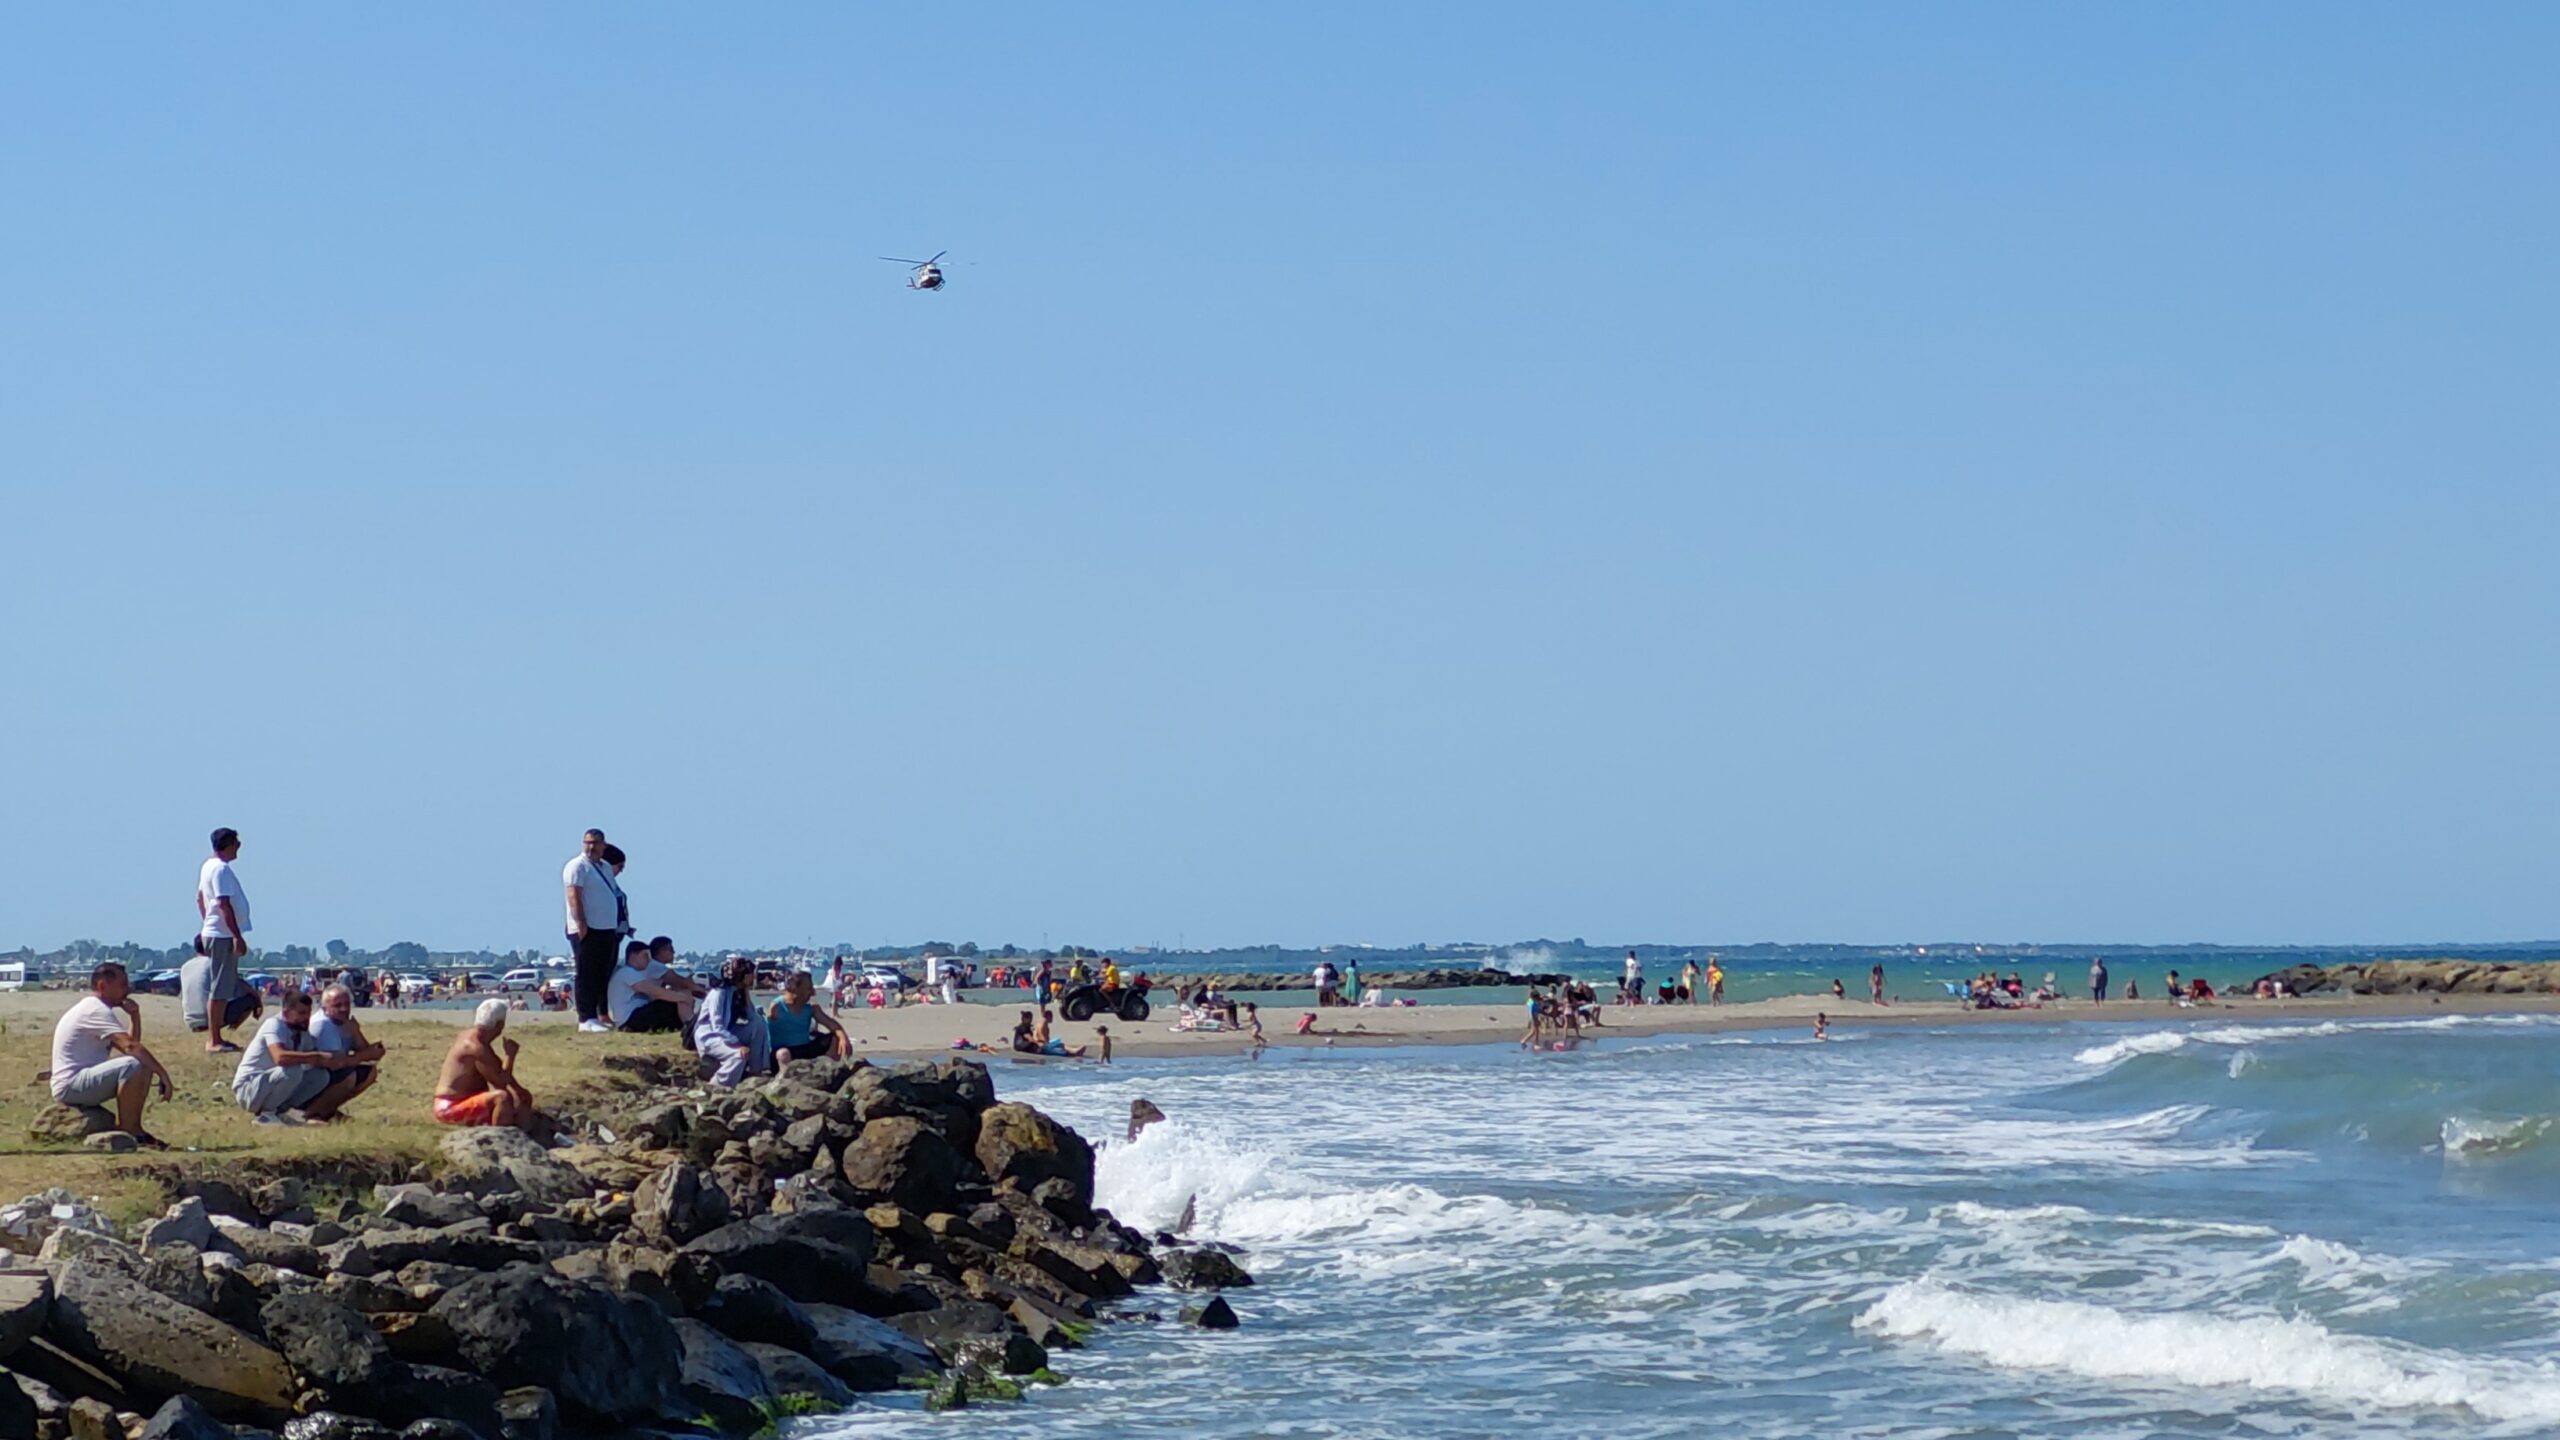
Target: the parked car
(886, 975)
(482, 980)
(523, 977)
(416, 985)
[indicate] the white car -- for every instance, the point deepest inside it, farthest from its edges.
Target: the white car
(416, 984)
(523, 977)
(482, 980)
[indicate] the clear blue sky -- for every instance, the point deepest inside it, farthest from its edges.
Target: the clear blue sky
(1380, 473)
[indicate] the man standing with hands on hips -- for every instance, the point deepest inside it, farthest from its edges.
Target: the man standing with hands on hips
(223, 933)
(595, 928)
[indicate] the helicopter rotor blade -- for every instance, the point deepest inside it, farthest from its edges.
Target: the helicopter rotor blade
(902, 260)
(938, 254)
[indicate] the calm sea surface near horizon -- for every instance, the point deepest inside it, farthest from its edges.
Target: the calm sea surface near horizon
(2284, 1229)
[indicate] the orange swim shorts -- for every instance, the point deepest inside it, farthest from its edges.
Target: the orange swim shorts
(480, 1109)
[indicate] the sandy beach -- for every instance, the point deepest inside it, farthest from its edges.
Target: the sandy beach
(933, 1029)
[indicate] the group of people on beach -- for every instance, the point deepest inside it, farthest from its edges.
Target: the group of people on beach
(310, 1057)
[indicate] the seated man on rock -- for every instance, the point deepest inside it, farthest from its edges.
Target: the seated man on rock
(335, 1030)
(98, 1055)
(283, 1076)
(477, 1087)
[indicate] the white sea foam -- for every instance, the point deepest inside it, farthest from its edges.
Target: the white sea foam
(2162, 1042)
(2261, 1353)
(1247, 1195)
(2328, 1265)
(2475, 1137)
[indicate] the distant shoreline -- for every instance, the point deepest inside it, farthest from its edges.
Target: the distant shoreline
(925, 1030)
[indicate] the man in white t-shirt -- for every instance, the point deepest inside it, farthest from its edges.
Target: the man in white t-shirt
(222, 933)
(645, 994)
(594, 926)
(99, 1058)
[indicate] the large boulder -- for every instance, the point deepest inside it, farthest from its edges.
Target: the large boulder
(949, 1328)
(473, 1244)
(423, 1207)
(903, 1159)
(673, 1205)
(159, 1347)
(607, 1357)
(1018, 1145)
(864, 1353)
(745, 1308)
(946, 1094)
(721, 1380)
(186, 1224)
(496, 1161)
(788, 1372)
(810, 1254)
(26, 1296)
(434, 1392)
(182, 1418)
(326, 1341)
(1203, 1270)
(22, 1412)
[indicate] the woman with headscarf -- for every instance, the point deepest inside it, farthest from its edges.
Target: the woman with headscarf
(728, 1031)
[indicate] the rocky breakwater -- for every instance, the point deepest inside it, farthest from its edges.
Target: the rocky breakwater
(2422, 977)
(703, 1264)
(1446, 979)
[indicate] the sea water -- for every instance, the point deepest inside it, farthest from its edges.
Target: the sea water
(2216, 1229)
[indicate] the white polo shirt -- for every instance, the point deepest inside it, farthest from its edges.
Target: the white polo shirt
(216, 882)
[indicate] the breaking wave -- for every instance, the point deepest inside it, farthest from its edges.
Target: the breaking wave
(2263, 1353)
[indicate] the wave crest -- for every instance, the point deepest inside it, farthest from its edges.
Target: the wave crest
(2296, 1356)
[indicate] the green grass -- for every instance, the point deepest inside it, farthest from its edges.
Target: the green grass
(380, 1137)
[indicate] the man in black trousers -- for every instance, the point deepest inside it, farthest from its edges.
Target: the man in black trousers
(596, 922)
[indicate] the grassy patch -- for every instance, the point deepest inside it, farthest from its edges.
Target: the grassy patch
(387, 1130)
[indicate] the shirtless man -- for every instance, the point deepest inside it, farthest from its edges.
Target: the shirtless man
(476, 1086)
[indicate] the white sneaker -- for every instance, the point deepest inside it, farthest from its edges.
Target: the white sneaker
(270, 1117)
(594, 1027)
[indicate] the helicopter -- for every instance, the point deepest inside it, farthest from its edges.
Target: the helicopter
(928, 274)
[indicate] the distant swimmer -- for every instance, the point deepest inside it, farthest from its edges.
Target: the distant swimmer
(1821, 1026)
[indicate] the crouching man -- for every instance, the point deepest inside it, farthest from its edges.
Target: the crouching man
(335, 1030)
(478, 1085)
(284, 1076)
